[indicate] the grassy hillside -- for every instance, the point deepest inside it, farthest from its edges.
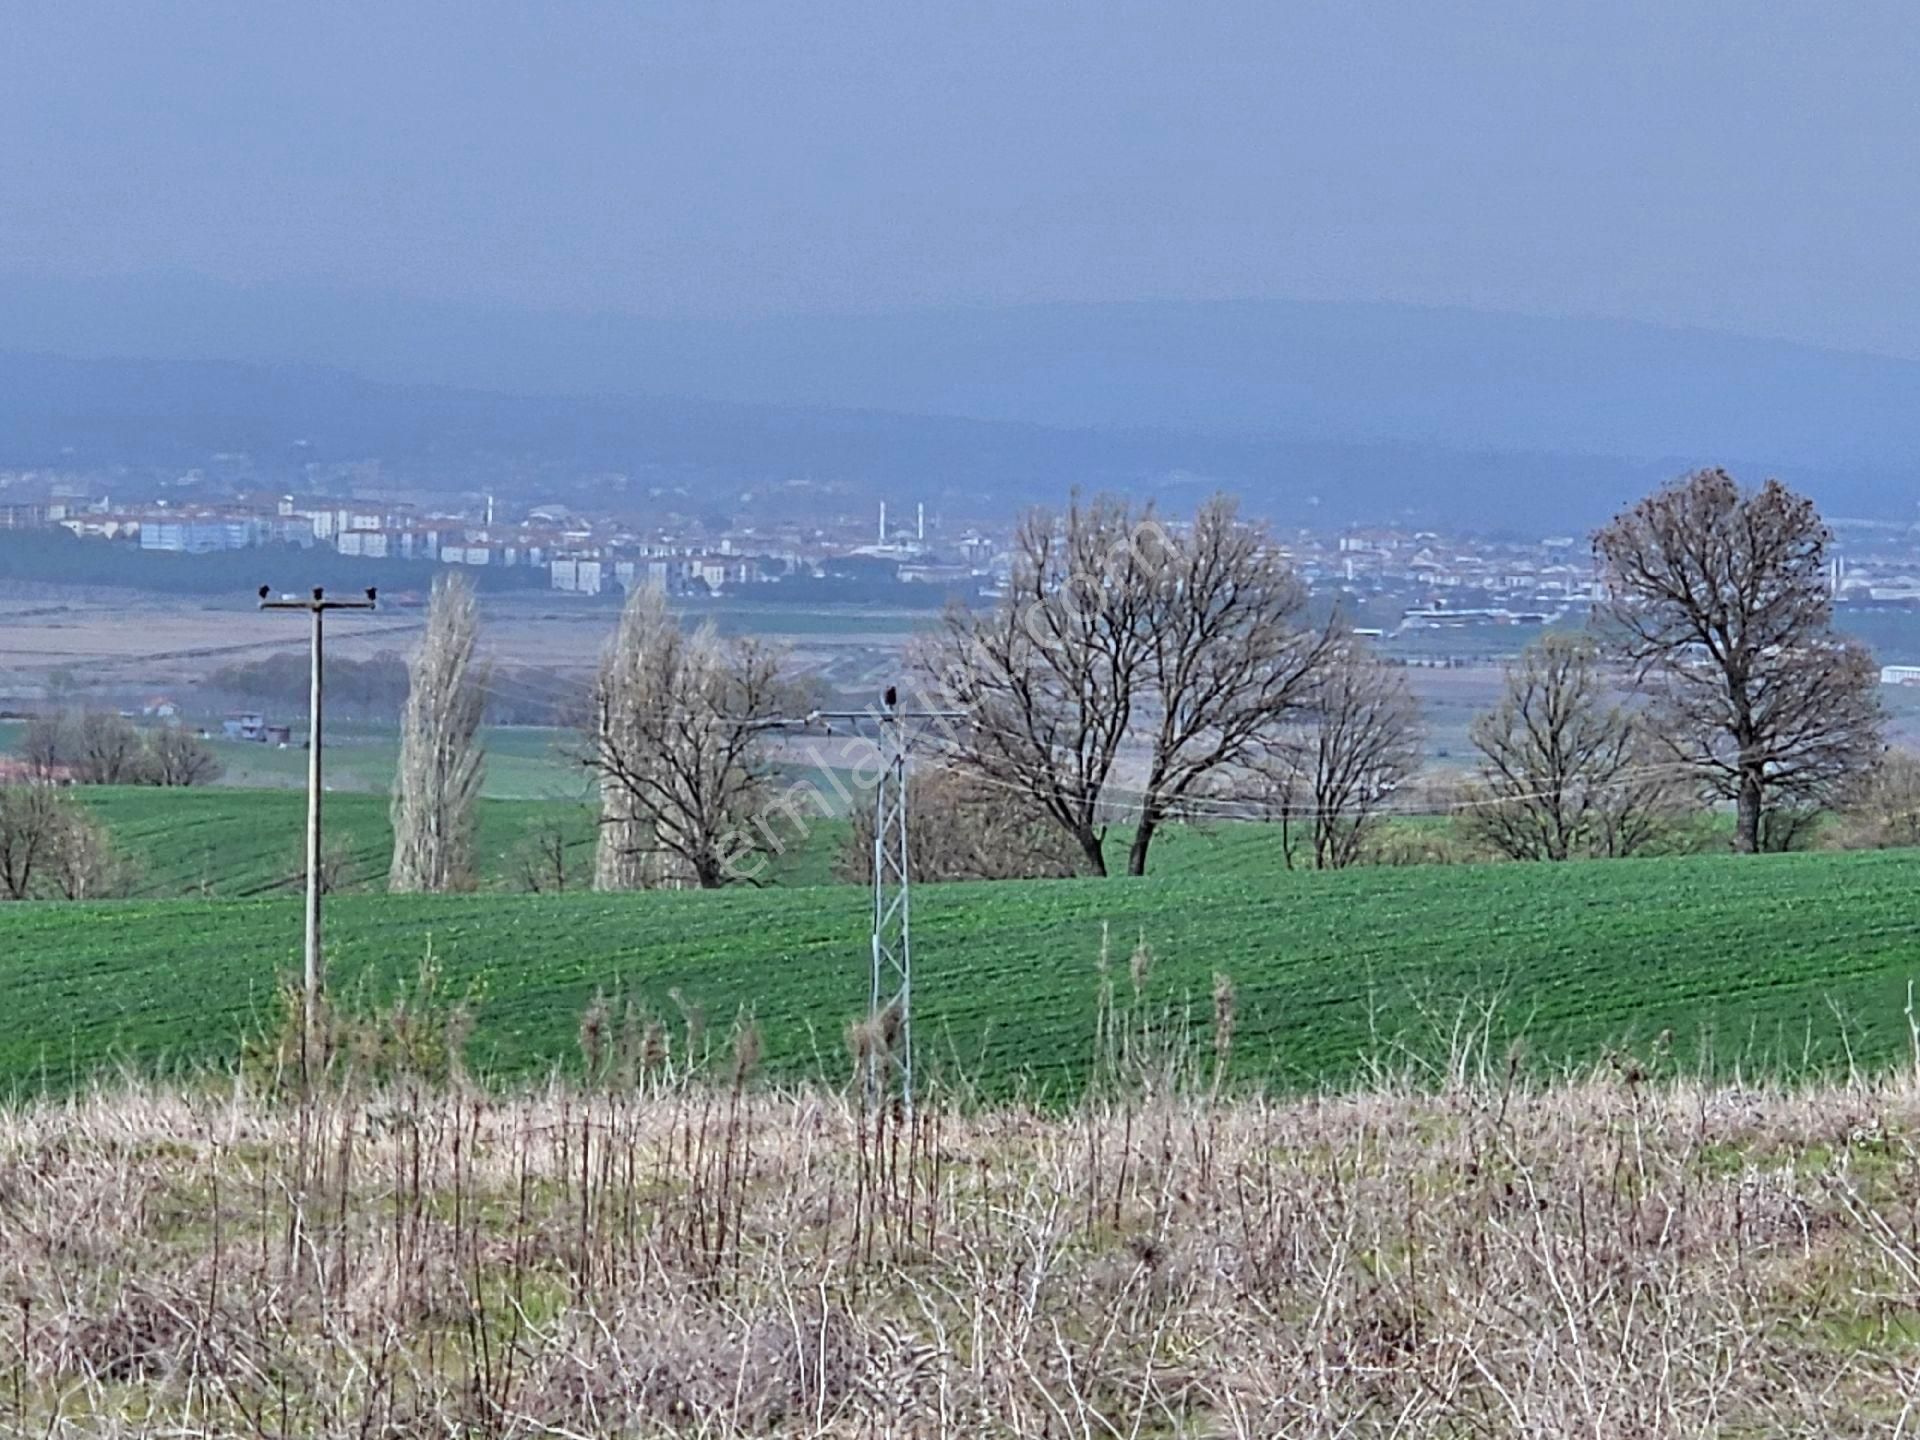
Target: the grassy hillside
(1784, 962)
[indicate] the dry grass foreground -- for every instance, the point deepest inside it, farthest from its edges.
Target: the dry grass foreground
(1612, 1257)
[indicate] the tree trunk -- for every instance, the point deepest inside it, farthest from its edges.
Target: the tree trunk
(1142, 838)
(1746, 839)
(1091, 847)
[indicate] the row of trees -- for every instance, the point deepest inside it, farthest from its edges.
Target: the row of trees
(378, 687)
(1132, 673)
(95, 747)
(1135, 673)
(674, 735)
(1126, 672)
(51, 846)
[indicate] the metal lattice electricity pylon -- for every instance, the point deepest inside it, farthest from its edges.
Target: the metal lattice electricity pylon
(890, 997)
(889, 1046)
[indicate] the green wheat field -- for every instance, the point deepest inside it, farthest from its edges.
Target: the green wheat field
(1784, 964)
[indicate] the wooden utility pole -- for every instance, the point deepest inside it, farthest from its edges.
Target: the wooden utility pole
(316, 605)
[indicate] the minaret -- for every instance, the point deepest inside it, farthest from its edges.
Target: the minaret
(883, 522)
(920, 521)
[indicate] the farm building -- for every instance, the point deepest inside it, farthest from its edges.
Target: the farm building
(252, 725)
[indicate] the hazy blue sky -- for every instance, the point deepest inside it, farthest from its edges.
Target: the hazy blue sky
(1748, 166)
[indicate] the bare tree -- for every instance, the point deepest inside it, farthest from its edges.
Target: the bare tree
(1354, 751)
(678, 736)
(625, 857)
(1880, 810)
(1719, 600)
(1051, 676)
(107, 750)
(1114, 632)
(50, 847)
(1231, 661)
(959, 827)
(32, 818)
(176, 756)
(339, 867)
(1279, 786)
(541, 859)
(83, 864)
(47, 746)
(1564, 771)
(436, 789)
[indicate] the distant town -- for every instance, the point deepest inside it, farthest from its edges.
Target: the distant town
(1397, 582)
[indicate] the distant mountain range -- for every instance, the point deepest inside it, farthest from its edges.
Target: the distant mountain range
(1332, 411)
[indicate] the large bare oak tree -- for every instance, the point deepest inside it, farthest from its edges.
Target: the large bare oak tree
(1718, 599)
(1231, 660)
(1129, 669)
(1051, 676)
